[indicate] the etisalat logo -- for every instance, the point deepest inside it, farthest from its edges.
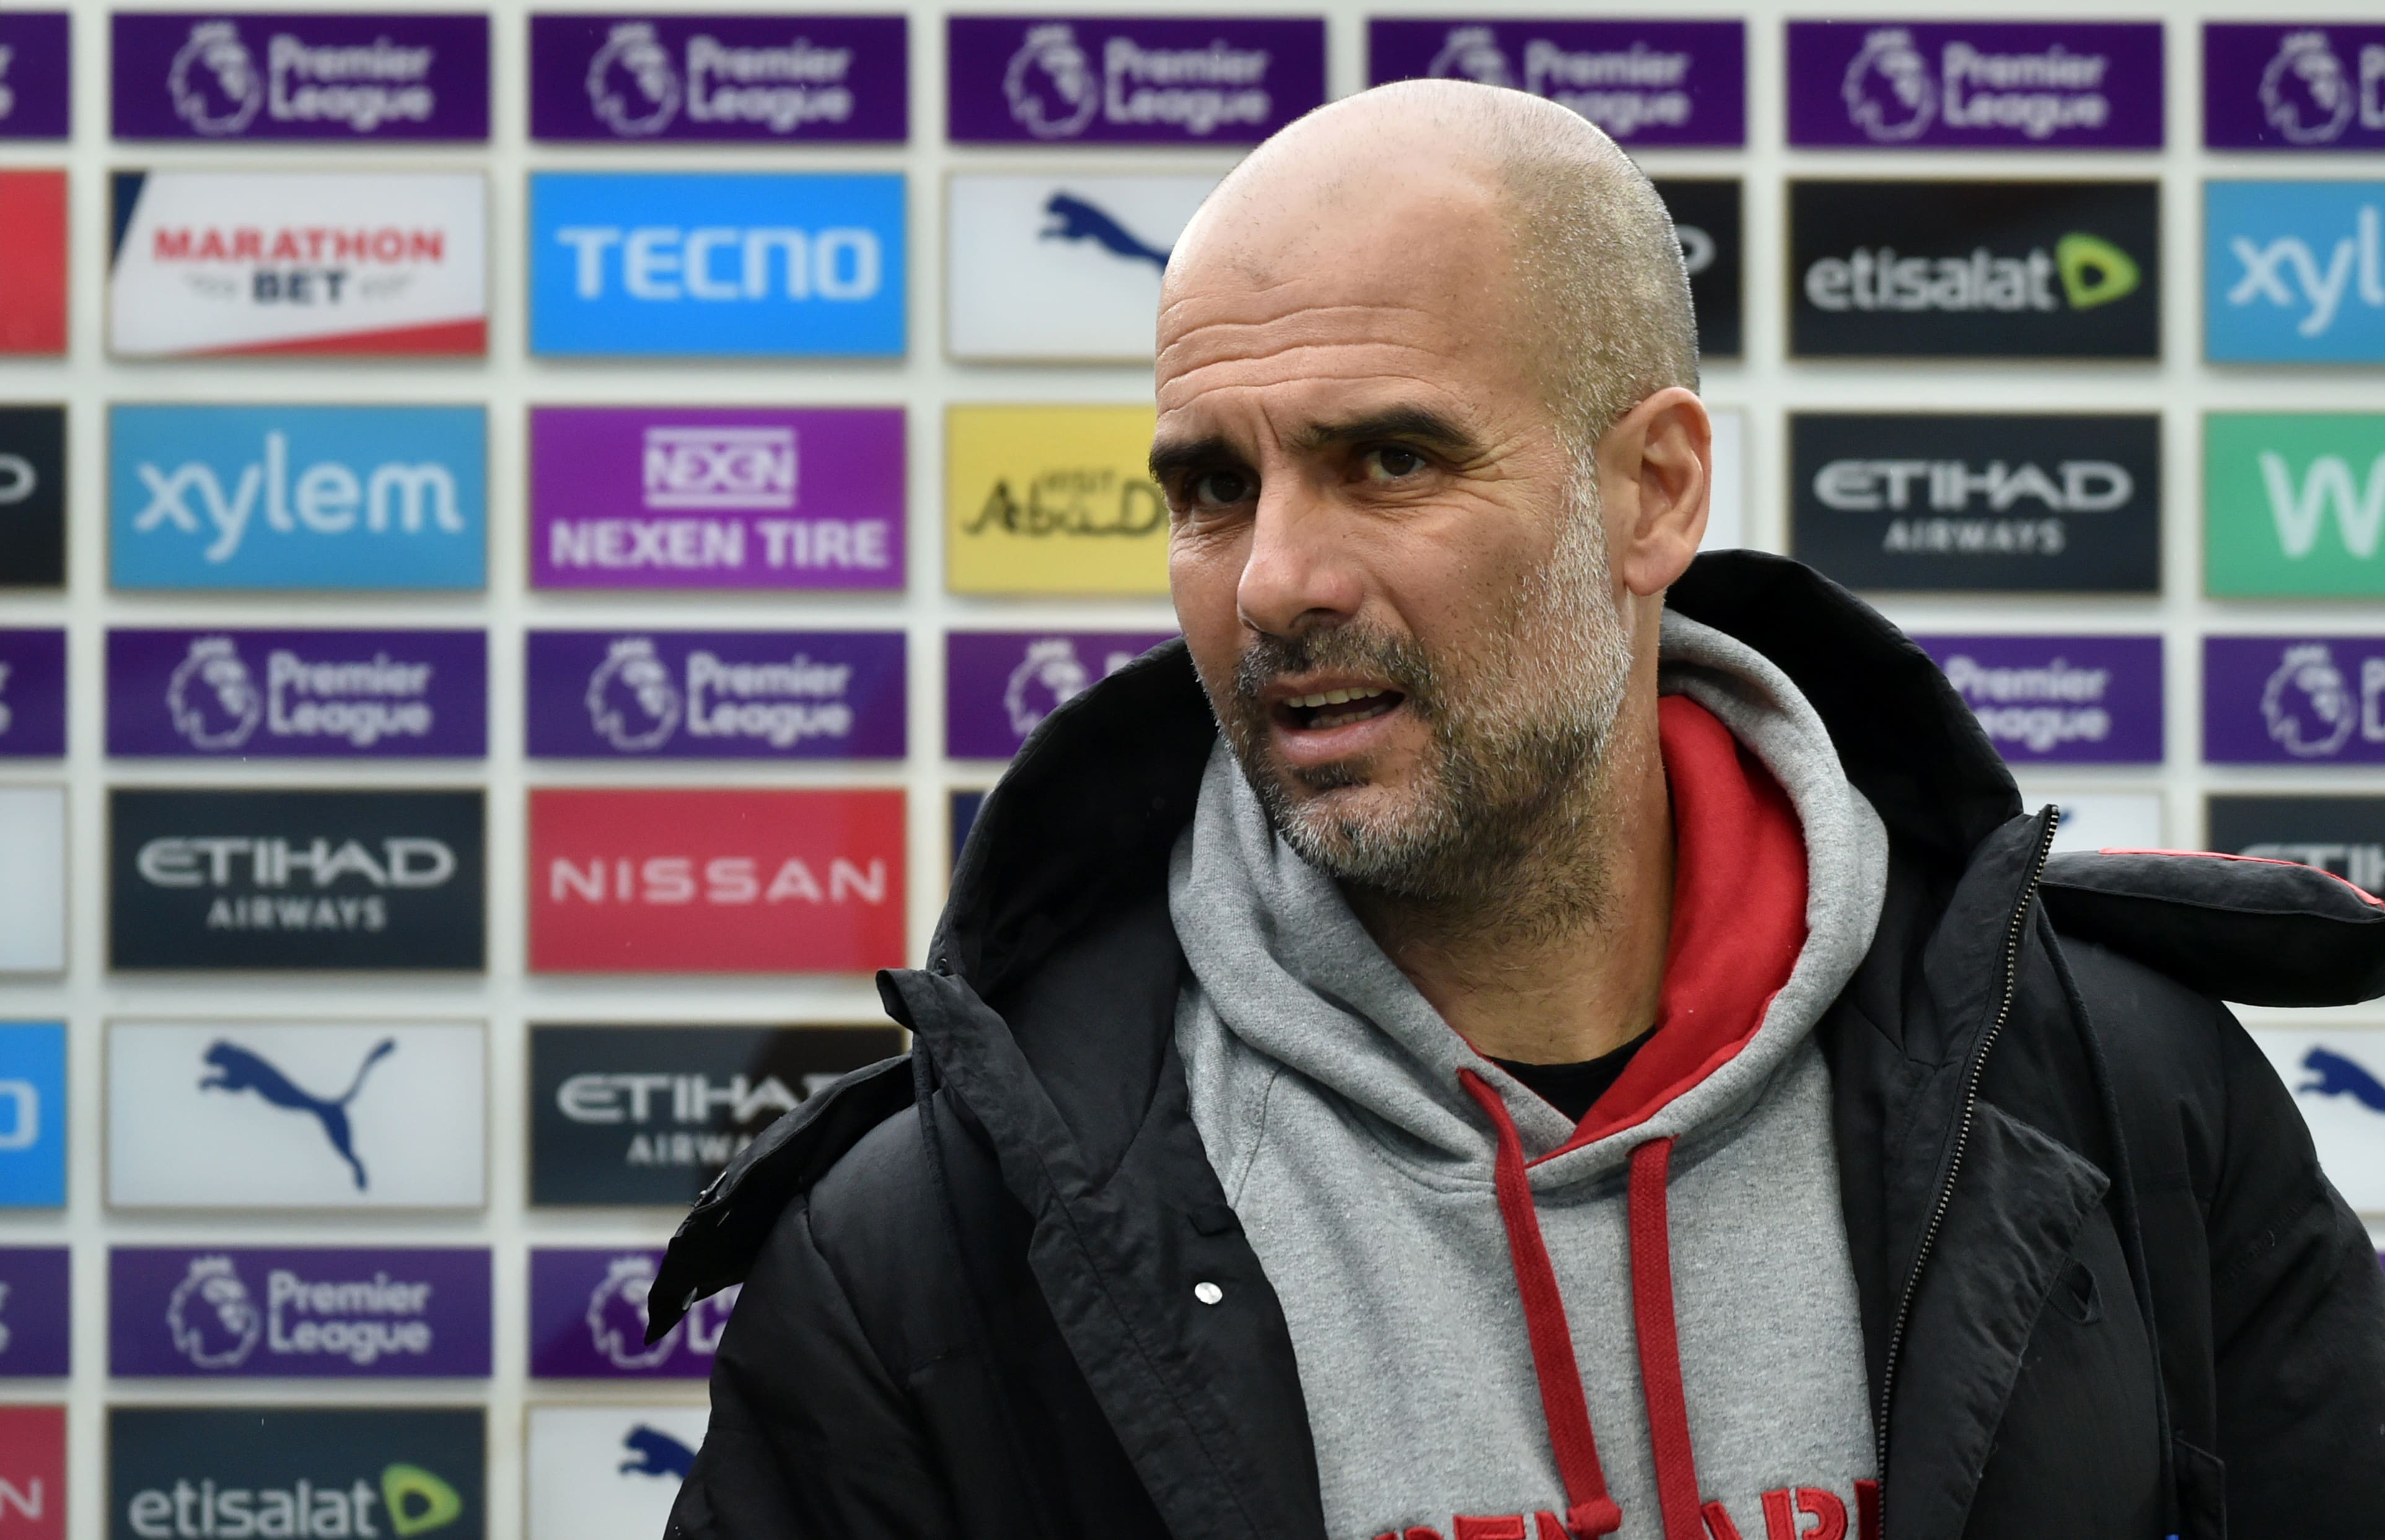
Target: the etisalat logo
(689, 1102)
(397, 864)
(1055, 89)
(635, 705)
(2310, 98)
(1893, 95)
(2312, 710)
(2091, 271)
(617, 1317)
(416, 1501)
(218, 90)
(216, 1324)
(1621, 89)
(216, 703)
(1947, 487)
(636, 89)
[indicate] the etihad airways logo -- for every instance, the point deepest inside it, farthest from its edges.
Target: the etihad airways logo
(351, 75)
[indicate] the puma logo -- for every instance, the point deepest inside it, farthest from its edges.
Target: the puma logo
(1079, 220)
(237, 1069)
(656, 1453)
(2340, 1076)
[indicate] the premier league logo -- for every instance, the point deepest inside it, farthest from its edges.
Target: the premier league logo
(1889, 92)
(617, 1315)
(1047, 678)
(1050, 84)
(632, 84)
(631, 702)
(2308, 703)
(1471, 54)
(2306, 93)
(213, 1321)
(212, 697)
(215, 85)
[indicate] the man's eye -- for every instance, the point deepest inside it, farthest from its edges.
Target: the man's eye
(1390, 464)
(1220, 489)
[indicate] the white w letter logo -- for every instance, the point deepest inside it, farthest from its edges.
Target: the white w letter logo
(2359, 512)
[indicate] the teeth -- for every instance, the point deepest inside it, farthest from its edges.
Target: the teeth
(1333, 698)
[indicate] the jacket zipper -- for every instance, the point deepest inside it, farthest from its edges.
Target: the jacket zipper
(2013, 931)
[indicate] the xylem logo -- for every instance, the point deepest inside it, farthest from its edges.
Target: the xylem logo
(2294, 271)
(726, 264)
(297, 497)
(2081, 272)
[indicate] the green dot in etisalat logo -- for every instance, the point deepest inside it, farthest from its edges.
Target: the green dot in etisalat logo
(2095, 271)
(419, 1502)
(2293, 505)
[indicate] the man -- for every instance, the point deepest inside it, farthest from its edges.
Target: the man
(1506, 1032)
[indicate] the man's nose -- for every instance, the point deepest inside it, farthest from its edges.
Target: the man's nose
(1301, 571)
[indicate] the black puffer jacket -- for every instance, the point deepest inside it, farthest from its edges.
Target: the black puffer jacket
(2106, 1292)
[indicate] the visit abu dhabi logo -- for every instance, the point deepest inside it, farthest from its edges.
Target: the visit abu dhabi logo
(2294, 272)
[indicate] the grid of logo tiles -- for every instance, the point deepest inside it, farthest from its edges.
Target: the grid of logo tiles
(221, 1111)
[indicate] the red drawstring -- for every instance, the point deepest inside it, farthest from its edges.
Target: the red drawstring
(1590, 1512)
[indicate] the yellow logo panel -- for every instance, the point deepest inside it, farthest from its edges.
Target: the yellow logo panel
(1052, 500)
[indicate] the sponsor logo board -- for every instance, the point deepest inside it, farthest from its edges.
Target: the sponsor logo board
(588, 1318)
(2294, 507)
(341, 76)
(2102, 820)
(32, 496)
(716, 694)
(32, 694)
(33, 1472)
(2293, 85)
(1707, 216)
(223, 1473)
(32, 1115)
(2070, 699)
(1726, 498)
(963, 815)
(1130, 79)
(34, 899)
(2294, 699)
(999, 686)
(35, 1307)
(714, 264)
(298, 694)
(1647, 83)
(1976, 85)
(297, 497)
(248, 1312)
(1060, 267)
(720, 498)
(2338, 1078)
(2294, 272)
(209, 262)
(1941, 502)
(35, 49)
(789, 79)
(33, 256)
(1975, 269)
(649, 1115)
(1052, 500)
(246, 1114)
(2343, 834)
(608, 1473)
(296, 880)
(734, 881)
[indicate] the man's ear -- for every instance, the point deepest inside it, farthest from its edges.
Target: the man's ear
(1655, 472)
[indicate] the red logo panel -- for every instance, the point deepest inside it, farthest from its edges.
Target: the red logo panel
(717, 882)
(32, 262)
(32, 1473)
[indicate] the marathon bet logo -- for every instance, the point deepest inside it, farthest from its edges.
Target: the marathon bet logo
(1975, 269)
(320, 1473)
(1946, 502)
(2293, 505)
(2294, 271)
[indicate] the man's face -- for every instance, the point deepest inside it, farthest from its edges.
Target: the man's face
(1390, 572)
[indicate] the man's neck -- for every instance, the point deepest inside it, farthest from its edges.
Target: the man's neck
(1568, 961)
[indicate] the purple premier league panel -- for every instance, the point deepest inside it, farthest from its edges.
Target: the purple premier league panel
(239, 694)
(999, 685)
(649, 694)
(1130, 79)
(342, 74)
(32, 694)
(251, 1312)
(757, 79)
(587, 1319)
(1987, 85)
(1654, 83)
(2284, 85)
(2063, 699)
(35, 1305)
(2294, 699)
(716, 497)
(34, 70)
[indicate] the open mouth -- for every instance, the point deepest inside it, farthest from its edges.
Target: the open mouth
(1337, 708)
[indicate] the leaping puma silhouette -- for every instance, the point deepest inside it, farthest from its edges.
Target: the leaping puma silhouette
(1080, 220)
(656, 1453)
(2341, 1076)
(237, 1069)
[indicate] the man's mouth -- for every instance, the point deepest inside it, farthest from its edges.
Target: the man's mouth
(1337, 708)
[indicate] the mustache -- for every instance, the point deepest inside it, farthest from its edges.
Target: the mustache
(1400, 662)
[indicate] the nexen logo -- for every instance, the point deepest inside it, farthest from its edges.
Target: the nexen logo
(723, 263)
(723, 881)
(328, 497)
(2092, 271)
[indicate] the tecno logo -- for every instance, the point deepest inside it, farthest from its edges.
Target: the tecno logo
(1950, 486)
(725, 264)
(2081, 272)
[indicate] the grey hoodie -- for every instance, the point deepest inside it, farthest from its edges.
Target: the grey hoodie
(1329, 1096)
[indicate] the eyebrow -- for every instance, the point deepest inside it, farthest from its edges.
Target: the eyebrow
(1413, 424)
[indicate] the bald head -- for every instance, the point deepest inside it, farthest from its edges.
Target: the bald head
(1510, 198)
